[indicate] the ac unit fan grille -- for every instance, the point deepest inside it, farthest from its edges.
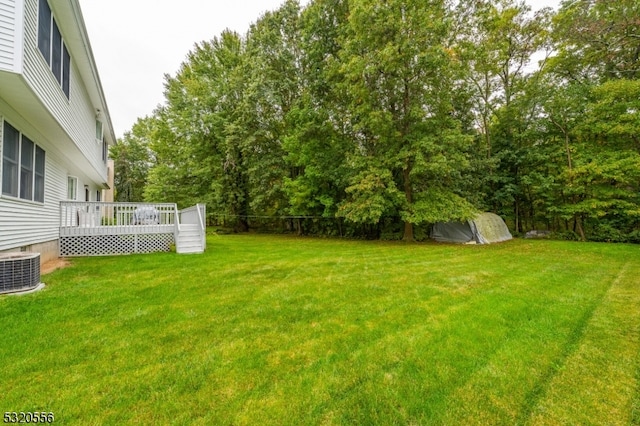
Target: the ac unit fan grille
(19, 272)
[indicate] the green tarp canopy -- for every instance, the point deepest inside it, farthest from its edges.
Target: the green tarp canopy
(485, 228)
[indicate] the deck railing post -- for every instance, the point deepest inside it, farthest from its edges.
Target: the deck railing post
(176, 220)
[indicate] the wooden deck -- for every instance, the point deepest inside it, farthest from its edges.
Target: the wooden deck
(96, 228)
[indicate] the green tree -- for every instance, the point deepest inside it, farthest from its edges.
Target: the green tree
(507, 34)
(597, 40)
(198, 139)
(409, 151)
(317, 140)
(593, 103)
(272, 88)
(132, 159)
(611, 166)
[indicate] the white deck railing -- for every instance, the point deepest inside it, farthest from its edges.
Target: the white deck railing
(91, 218)
(96, 228)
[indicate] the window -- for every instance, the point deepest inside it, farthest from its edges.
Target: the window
(26, 169)
(56, 52)
(66, 66)
(72, 188)
(44, 30)
(105, 150)
(23, 165)
(39, 176)
(99, 131)
(52, 46)
(10, 158)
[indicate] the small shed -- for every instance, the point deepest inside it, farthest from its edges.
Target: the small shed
(485, 228)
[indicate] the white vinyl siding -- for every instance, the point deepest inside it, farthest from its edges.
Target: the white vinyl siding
(11, 35)
(76, 114)
(24, 223)
(7, 34)
(59, 120)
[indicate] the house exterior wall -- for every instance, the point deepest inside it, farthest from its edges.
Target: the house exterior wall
(11, 38)
(33, 102)
(24, 223)
(76, 115)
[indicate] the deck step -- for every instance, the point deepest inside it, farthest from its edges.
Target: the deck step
(189, 240)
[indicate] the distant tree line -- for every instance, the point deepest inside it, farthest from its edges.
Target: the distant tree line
(379, 118)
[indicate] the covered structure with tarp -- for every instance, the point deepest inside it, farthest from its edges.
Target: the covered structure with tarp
(485, 228)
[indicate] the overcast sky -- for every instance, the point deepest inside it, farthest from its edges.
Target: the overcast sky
(136, 42)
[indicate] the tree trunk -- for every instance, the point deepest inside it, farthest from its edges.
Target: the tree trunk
(568, 150)
(579, 228)
(408, 232)
(408, 192)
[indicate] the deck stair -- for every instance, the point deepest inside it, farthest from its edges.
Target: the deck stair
(191, 235)
(190, 239)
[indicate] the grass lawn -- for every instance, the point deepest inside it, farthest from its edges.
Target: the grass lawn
(284, 330)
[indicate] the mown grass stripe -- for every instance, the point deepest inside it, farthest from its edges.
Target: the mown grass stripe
(570, 346)
(598, 383)
(537, 337)
(635, 404)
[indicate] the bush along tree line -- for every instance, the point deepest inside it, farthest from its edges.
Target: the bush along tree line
(377, 119)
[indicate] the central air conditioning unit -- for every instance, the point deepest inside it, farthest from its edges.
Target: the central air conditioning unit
(19, 272)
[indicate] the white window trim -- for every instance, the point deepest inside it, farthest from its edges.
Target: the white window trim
(75, 180)
(99, 128)
(33, 175)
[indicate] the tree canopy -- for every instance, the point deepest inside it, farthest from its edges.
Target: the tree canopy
(379, 118)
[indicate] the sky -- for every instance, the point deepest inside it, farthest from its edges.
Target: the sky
(136, 42)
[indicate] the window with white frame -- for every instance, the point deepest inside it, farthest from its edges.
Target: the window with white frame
(23, 166)
(105, 150)
(52, 47)
(99, 133)
(72, 188)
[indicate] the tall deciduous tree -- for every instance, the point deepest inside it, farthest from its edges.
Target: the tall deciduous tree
(508, 35)
(362, 112)
(317, 138)
(598, 40)
(409, 150)
(132, 159)
(594, 103)
(274, 71)
(200, 133)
